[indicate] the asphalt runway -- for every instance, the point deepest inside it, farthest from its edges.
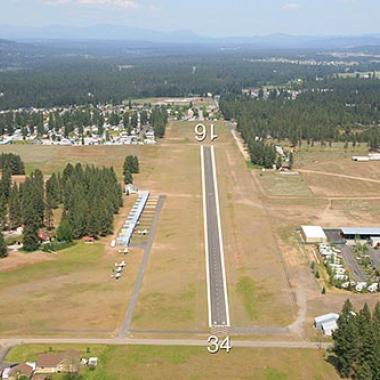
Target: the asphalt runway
(217, 288)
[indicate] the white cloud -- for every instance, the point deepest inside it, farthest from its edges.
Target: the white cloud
(111, 3)
(291, 7)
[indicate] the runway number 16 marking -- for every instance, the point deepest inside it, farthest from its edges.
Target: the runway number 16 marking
(215, 345)
(201, 132)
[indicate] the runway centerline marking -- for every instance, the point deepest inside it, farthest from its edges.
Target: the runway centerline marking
(214, 253)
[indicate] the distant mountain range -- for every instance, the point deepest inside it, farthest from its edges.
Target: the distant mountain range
(126, 33)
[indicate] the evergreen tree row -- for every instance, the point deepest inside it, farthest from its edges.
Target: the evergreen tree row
(159, 120)
(357, 343)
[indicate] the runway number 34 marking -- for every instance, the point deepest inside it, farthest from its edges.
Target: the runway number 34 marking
(215, 345)
(201, 132)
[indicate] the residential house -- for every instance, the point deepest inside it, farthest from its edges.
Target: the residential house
(24, 370)
(68, 361)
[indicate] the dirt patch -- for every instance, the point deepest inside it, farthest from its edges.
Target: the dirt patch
(17, 260)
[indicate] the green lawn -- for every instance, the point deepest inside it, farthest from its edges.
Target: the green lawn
(276, 183)
(153, 362)
(64, 262)
(246, 289)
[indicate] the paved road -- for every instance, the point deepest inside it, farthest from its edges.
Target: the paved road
(216, 277)
(166, 342)
(375, 257)
(352, 264)
(140, 276)
(3, 353)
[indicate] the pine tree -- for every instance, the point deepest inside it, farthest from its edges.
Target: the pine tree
(131, 164)
(77, 216)
(3, 213)
(64, 231)
(128, 179)
(346, 341)
(136, 166)
(6, 182)
(375, 365)
(364, 372)
(366, 337)
(3, 246)
(105, 221)
(36, 196)
(126, 120)
(31, 214)
(52, 191)
(134, 120)
(31, 241)
(49, 217)
(15, 213)
(92, 224)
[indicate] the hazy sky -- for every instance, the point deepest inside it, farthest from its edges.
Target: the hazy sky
(207, 17)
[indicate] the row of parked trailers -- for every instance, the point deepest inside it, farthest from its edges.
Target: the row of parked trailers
(133, 219)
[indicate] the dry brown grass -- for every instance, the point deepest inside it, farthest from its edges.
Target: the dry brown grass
(260, 237)
(258, 289)
(72, 293)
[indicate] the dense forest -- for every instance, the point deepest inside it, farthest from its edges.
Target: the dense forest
(328, 111)
(77, 80)
(357, 343)
(91, 196)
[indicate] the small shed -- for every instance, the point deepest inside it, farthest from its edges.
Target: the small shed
(324, 319)
(313, 234)
(93, 362)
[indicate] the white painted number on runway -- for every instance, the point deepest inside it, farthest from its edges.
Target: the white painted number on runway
(215, 345)
(200, 131)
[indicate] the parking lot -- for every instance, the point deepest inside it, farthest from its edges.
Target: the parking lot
(352, 266)
(355, 269)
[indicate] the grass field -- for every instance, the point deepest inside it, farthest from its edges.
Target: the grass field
(275, 183)
(148, 362)
(70, 293)
(52, 158)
